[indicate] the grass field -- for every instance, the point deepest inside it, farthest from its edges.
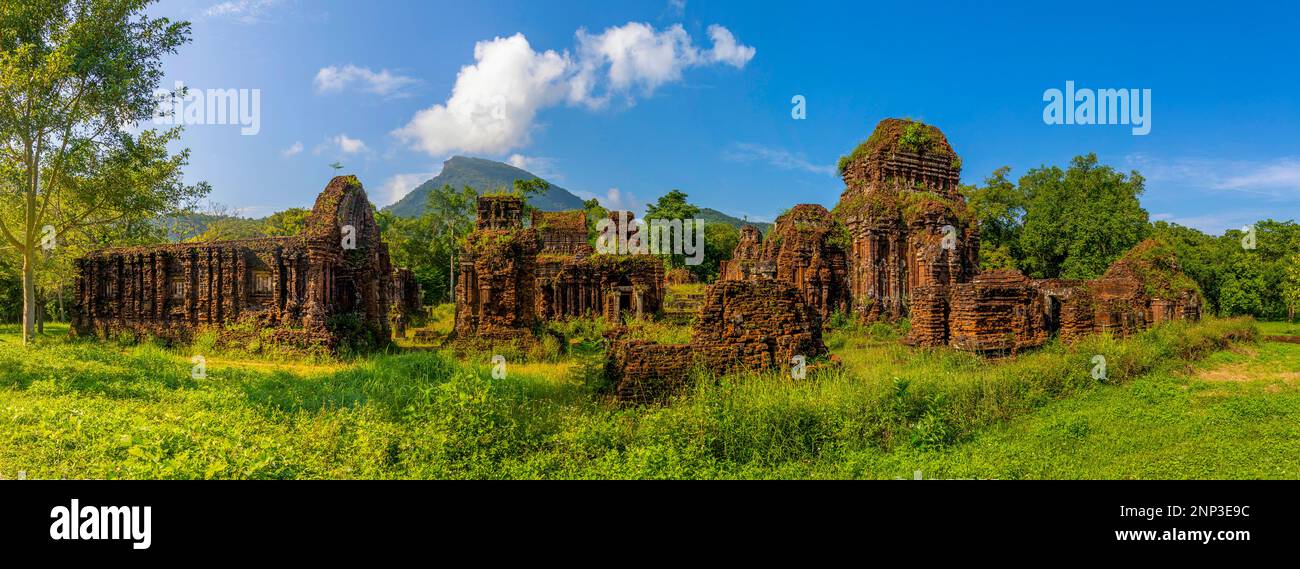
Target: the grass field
(1181, 401)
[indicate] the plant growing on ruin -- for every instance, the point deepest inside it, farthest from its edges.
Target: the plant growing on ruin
(915, 138)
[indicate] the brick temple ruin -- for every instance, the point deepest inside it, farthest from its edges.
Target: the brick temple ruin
(511, 278)
(742, 325)
(914, 252)
(908, 224)
(332, 283)
(805, 249)
(901, 243)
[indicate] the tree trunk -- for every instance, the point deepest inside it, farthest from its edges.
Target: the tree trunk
(451, 269)
(29, 241)
(63, 315)
(29, 297)
(40, 314)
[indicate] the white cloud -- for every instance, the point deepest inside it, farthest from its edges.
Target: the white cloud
(293, 150)
(495, 101)
(242, 11)
(783, 159)
(333, 79)
(1211, 189)
(342, 143)
(615, 199)
(396, 187)
(1277, 178)
(635, 55)
(350, 145)
(1281, 176)
(727, 50)
(539, 166)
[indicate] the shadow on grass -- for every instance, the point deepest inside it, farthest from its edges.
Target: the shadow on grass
(396, 385)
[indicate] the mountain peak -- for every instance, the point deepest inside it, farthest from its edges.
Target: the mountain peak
(483, 175)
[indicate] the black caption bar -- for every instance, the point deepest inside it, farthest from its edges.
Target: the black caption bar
(155, 519)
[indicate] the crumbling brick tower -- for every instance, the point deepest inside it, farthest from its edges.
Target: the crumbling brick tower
(495, 284)
(759, 324)
(746, 258)
(908, 226)
(348, 264)
(806, 248)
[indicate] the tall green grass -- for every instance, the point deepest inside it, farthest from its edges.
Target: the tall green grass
(80, 409)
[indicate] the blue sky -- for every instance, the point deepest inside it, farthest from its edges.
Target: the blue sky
(627, 100)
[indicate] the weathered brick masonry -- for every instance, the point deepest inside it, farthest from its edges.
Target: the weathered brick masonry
(742, 325)
(512, 278)
(914, 251)
(296, 285)
(806, 249)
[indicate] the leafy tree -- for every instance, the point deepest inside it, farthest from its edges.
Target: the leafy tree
(673, 205)
(449, 214)
(411, 244)
(1242, 289)
(1078, 221)
(999, 207)
(1201, 256)
(75, 76)
(285, 223)
(720, 241)
(1291, 287)
(224, 227)
(430, 244)
(528, 189)
(1275, 243)
(595, 213)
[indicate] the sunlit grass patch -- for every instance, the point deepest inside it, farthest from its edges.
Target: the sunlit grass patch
(86, 409)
